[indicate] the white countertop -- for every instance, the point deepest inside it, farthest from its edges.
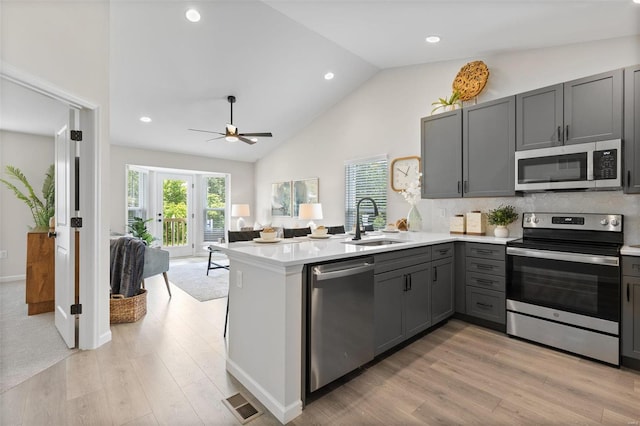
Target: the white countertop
(303, 250)
(630, 250)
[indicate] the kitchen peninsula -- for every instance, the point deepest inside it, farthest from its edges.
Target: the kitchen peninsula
(267, 308)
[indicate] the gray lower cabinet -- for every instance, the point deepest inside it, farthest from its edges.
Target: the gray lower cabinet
(402, 305)
(630, 334)
(481, 293)
(469, 152)
(442, 283)
(632, 130)
(402, 296)
(584, 110)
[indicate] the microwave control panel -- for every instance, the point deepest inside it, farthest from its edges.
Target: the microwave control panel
(605, 164)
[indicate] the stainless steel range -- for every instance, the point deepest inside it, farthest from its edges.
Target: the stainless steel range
(563, 283)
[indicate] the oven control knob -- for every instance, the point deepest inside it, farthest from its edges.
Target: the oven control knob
(536, 220)
(528, 220)
(604, 222)
(614, 222)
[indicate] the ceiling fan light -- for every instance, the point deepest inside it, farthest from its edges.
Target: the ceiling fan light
(231, 138)
(192, 15)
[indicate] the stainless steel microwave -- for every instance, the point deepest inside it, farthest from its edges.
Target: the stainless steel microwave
(594, 165)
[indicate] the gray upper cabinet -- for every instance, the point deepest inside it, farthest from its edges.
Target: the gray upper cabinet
(585, 110)
(470, 152)
(593, 108)
(442, 155)
(539, 121)
(488, 148)
(632, 130)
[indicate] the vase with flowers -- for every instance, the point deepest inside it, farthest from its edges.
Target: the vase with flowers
(412, 194)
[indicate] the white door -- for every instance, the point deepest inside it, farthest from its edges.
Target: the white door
(174, 213)
(64, 245)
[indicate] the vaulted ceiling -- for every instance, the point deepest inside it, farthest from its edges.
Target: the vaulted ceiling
(273, 55)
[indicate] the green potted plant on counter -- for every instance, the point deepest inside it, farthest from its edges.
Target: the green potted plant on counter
(501, 217)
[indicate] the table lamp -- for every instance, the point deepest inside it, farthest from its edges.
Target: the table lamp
(310, 212)
(240, 211)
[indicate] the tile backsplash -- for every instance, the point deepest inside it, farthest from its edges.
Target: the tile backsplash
(437, 213)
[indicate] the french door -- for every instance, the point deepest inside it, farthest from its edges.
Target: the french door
(174, 213)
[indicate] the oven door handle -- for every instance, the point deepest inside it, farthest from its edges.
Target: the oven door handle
(564, 256)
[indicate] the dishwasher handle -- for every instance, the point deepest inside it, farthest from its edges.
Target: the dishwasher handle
(320, 276)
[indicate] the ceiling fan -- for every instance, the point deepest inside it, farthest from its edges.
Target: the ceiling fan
(231, 132)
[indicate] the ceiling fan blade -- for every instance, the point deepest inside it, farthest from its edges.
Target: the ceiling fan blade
(213, 139)
(264, 135)
(206, 131)
(245, 140)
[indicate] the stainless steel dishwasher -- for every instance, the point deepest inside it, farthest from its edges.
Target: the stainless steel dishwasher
(340, 319)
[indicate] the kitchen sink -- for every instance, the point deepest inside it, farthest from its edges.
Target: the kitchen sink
(380, 242)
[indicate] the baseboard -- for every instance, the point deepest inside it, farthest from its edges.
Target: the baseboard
(10, 278)
(282, 413)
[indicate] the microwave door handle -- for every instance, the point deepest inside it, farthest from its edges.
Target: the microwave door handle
(590, 165)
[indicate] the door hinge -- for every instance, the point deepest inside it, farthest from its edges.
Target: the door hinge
(76, 222)
(76, 309)
(76, 135)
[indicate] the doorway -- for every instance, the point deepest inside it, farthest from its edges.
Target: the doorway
(174, 213)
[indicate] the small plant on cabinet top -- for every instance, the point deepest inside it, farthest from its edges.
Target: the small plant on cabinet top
(449, 103)
(503, 215)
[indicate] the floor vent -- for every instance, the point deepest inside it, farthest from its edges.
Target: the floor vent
(242, 409)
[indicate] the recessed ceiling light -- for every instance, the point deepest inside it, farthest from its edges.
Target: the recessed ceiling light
(192, 15)
(145, 119)
(329, 76)
(636, 1)
(433, 39)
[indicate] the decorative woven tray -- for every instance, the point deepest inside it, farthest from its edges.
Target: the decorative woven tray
(471, 79)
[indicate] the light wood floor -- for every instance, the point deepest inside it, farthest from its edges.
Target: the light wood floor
(169, 368)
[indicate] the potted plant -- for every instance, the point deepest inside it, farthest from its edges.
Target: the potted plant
(138, 229)
(449, 103)
(43, 209)
(501, 217)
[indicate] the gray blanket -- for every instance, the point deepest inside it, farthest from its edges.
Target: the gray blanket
(127, 265)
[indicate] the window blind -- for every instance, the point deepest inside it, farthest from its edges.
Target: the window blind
(366, 178)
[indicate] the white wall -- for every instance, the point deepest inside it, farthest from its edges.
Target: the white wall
(383, 116)
(65, 44)
(242, 176)
(33, 155)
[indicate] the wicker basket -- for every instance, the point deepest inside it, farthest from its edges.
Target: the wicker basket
(128, 309)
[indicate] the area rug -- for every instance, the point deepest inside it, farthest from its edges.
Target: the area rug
(28, 344)
(190, 274)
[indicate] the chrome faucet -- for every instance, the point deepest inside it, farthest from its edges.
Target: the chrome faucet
(375, 211)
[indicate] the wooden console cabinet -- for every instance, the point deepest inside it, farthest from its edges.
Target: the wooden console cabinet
(40, 291)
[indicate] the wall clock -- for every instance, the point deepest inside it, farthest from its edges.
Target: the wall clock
(403, 171)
